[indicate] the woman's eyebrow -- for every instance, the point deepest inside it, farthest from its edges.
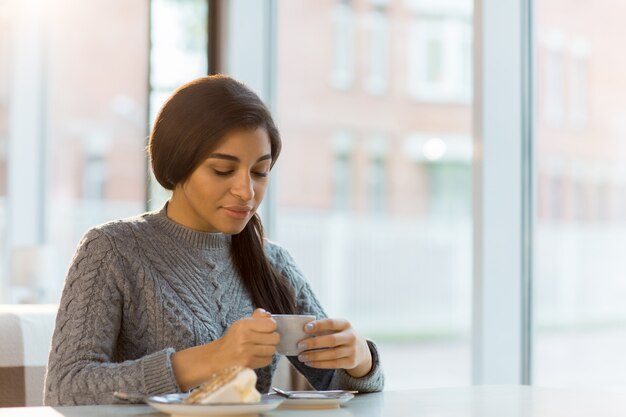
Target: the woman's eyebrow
(234, 158)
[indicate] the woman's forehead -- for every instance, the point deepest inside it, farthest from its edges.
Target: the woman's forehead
(244, 143)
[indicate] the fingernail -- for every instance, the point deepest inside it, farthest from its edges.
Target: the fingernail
(302, 345)
(302, 358)
(308, 364)
(309, 326)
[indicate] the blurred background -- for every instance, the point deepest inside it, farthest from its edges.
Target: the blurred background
(373, 191)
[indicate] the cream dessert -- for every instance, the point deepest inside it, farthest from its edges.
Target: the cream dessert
(230, 385)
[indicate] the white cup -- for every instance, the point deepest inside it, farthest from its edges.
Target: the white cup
(291, 330)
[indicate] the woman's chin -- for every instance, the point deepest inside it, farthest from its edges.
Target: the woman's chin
(233, 229)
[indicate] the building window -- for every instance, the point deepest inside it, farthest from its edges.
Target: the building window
(450, 187)
(578, 84)
(94, 174)
(566, 73)
(343, 144)
(342, 77)
(439, 51)
(377, 175)
(554, 110)
(378, 53)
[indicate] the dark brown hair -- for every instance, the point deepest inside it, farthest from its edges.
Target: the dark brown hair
(188, 127)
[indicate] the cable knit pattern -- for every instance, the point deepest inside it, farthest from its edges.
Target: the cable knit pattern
(139, 290)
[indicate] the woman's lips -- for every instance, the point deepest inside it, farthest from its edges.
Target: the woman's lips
(238, 214)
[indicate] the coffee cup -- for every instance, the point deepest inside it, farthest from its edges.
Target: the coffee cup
(291, 330)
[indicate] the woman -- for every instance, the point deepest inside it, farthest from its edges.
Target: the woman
(157, 303)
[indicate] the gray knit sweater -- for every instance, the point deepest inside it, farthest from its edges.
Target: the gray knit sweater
(142, 288)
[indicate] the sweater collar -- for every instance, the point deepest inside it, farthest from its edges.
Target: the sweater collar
(195, 238)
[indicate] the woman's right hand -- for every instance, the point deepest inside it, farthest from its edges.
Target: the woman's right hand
(249, 342)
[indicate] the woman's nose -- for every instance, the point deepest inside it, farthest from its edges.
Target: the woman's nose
(243, 187)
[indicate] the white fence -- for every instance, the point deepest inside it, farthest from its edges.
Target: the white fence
(414, 277)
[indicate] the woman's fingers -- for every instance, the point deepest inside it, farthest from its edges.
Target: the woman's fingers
(260, 324)
(259, 312)
(326, 325)
(264, 351)
(325, 355)
(258, 338)
(328, 341)
(343, 363)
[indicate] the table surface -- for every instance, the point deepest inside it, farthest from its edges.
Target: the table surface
(473, 401)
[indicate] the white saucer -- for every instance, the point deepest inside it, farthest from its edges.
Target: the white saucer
(172, 404)
(328, 401)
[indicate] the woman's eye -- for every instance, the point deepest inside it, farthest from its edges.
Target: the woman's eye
(222, 173)
(228, 172)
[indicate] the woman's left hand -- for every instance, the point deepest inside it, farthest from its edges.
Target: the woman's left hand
(343, 348)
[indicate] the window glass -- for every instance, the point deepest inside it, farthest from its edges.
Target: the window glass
(373, 186)
(179, 42)
(74, 95)
(74, 119)
(439, 49)
(377, 26)
(579, 263)
(342, 75)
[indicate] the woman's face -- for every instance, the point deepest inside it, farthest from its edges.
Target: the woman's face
(225, 190)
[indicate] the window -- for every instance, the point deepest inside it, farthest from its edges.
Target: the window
(342, 76)
(178, 54)
(377, 174)
(579, 286)
(554, 101)
(578, 84)
(76, 131)
(439, 48)
(343, 145)
(352, 205)
(73, 132)
(377, 79)
(445, 162)
(566, 79)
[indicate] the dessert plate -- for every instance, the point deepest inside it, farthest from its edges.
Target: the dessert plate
(173, 404)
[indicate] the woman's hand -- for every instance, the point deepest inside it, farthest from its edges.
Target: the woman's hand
(249, 342)
(343, 348)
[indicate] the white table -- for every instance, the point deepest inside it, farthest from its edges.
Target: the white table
(476, 401)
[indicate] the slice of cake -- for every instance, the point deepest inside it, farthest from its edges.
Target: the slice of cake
(230, 385)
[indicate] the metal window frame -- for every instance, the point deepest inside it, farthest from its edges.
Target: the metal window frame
(503, 206)
(26, 191)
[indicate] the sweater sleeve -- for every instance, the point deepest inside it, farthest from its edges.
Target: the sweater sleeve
(81, 366)
(307, 303)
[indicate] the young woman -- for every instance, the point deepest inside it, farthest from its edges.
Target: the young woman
(157, 303)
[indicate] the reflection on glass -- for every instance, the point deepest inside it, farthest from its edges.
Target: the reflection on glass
(581, 200)
(374, 183)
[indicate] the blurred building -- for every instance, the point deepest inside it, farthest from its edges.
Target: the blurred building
(374, 185)
(374, 106)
